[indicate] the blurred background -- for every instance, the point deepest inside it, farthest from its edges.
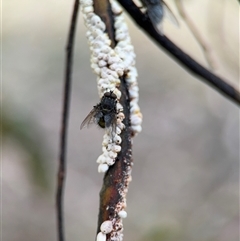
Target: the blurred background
(186, 160)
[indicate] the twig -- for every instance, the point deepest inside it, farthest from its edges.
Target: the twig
(207, 50)
(65, 112)
(116, 179)
(189, 63)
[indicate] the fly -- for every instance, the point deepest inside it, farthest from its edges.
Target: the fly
(104, 113)
(156, 10)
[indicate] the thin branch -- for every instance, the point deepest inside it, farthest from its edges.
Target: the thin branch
(207, 50)
(116, 179)
(65, 113)
(189, 63)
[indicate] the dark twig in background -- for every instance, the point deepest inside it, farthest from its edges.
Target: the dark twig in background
(65, 112)
(202, 41)
(189, 63)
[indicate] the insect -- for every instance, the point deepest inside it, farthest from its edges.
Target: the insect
(104, 113)
(156, 10)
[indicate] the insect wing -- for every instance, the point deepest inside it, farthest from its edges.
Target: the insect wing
(170, 15)
(155, 13)
(90, 119)
(110, 122)
(110, 119)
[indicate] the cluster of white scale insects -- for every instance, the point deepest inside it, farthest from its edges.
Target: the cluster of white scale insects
(110, 64)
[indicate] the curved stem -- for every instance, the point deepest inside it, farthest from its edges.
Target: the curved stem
(65, 113)
(189, 63)
(204, 44)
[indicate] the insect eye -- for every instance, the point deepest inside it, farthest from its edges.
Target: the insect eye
(107, 94)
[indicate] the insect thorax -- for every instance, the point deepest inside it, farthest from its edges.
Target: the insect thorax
(108, 105)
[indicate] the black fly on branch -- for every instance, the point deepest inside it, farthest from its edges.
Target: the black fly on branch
(104, 113)
(157, 10)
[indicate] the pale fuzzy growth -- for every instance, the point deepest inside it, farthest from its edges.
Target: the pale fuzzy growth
(110, 64)
(101, 159)
(102, 168)
(135, 114)
(116, 8)
(102, 53)
(106, 227)
(110, 161)
(117, 139)
(122, 214)
(101, 237)
(119, 107)
(126, 52)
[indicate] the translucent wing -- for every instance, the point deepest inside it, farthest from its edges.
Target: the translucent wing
(110, 119)
(90, 119)
(157, 11)
(169, 14)
(110, 122)
(154, 10)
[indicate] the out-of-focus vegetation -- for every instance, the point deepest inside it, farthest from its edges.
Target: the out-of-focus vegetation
(24, 131)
